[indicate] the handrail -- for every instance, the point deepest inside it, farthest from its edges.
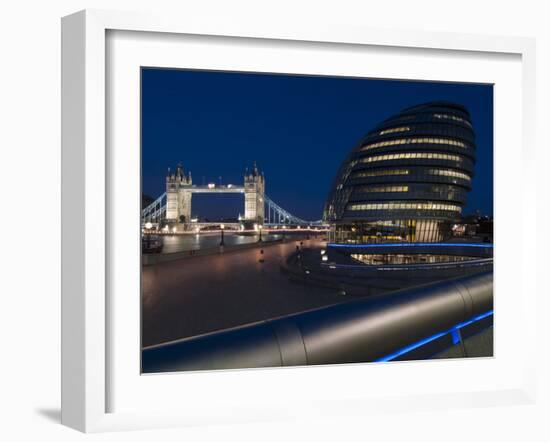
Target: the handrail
(362, 330)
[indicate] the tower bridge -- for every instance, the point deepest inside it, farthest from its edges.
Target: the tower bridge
(174, 207)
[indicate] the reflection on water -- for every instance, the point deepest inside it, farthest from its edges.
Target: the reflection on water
(181, 243)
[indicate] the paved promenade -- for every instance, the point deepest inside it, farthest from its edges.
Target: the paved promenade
(208, 293)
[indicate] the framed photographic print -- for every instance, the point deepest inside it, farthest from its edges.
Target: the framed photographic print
(258, 217)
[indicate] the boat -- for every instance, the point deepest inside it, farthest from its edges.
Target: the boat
(151, 244)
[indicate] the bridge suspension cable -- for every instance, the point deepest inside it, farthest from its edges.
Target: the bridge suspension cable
(154, 212)
(275, 214)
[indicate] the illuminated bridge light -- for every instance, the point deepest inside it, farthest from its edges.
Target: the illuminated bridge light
(415, 244)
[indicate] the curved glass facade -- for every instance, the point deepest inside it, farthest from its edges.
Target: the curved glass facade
(407, 179)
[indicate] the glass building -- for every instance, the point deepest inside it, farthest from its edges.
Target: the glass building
(406, 180)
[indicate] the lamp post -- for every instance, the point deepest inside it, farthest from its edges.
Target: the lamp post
(260, 238)
(222, 227)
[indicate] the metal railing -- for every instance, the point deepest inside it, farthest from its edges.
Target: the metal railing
(275, 214)
(156, 211)
(362, 330)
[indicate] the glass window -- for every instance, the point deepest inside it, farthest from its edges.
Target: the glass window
(449, 172)
(452, 117)
(394, 130)
(415, 140)
(414, 206)
(427, 155)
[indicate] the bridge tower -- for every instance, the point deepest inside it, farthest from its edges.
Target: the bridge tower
(254, 196)
(178, 196)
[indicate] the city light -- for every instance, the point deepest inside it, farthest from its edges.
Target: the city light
(415, 244)
(148, 225)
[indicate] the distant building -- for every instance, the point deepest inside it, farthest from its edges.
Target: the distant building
(254, 195)
(474, 225)
(406, 180)
(178, 196)
(180, 190)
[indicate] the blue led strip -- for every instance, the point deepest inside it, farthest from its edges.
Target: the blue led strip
(454, 332)
(415, 244)
(436, 265)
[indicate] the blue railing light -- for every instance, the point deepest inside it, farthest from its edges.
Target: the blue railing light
(412, 244)
(454, 331)
(428, 266)
(455, 334)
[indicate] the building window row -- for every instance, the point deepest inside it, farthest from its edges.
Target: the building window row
(449, 172)
(418, 140)
(411, 155)
(452, 117)
(386, 172)
(438, 192)
(430, 129)
(404, 206)
(398, 172)
(394, 130)
(378, 189)
(405, 118)
(388, 258)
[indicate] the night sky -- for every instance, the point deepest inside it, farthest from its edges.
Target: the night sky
(297, 128)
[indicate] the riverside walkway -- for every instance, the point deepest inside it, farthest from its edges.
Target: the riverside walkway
(207, 293)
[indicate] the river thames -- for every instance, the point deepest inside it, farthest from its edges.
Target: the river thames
(186, 242)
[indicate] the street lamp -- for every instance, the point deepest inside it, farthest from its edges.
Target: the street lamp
(222, 227)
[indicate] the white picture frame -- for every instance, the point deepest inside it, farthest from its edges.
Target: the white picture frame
(86, 317)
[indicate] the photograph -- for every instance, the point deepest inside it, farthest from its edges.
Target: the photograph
(297, 220)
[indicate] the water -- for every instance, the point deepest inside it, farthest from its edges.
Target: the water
(182, 243)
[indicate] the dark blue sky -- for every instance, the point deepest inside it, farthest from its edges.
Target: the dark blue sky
(297, 128)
